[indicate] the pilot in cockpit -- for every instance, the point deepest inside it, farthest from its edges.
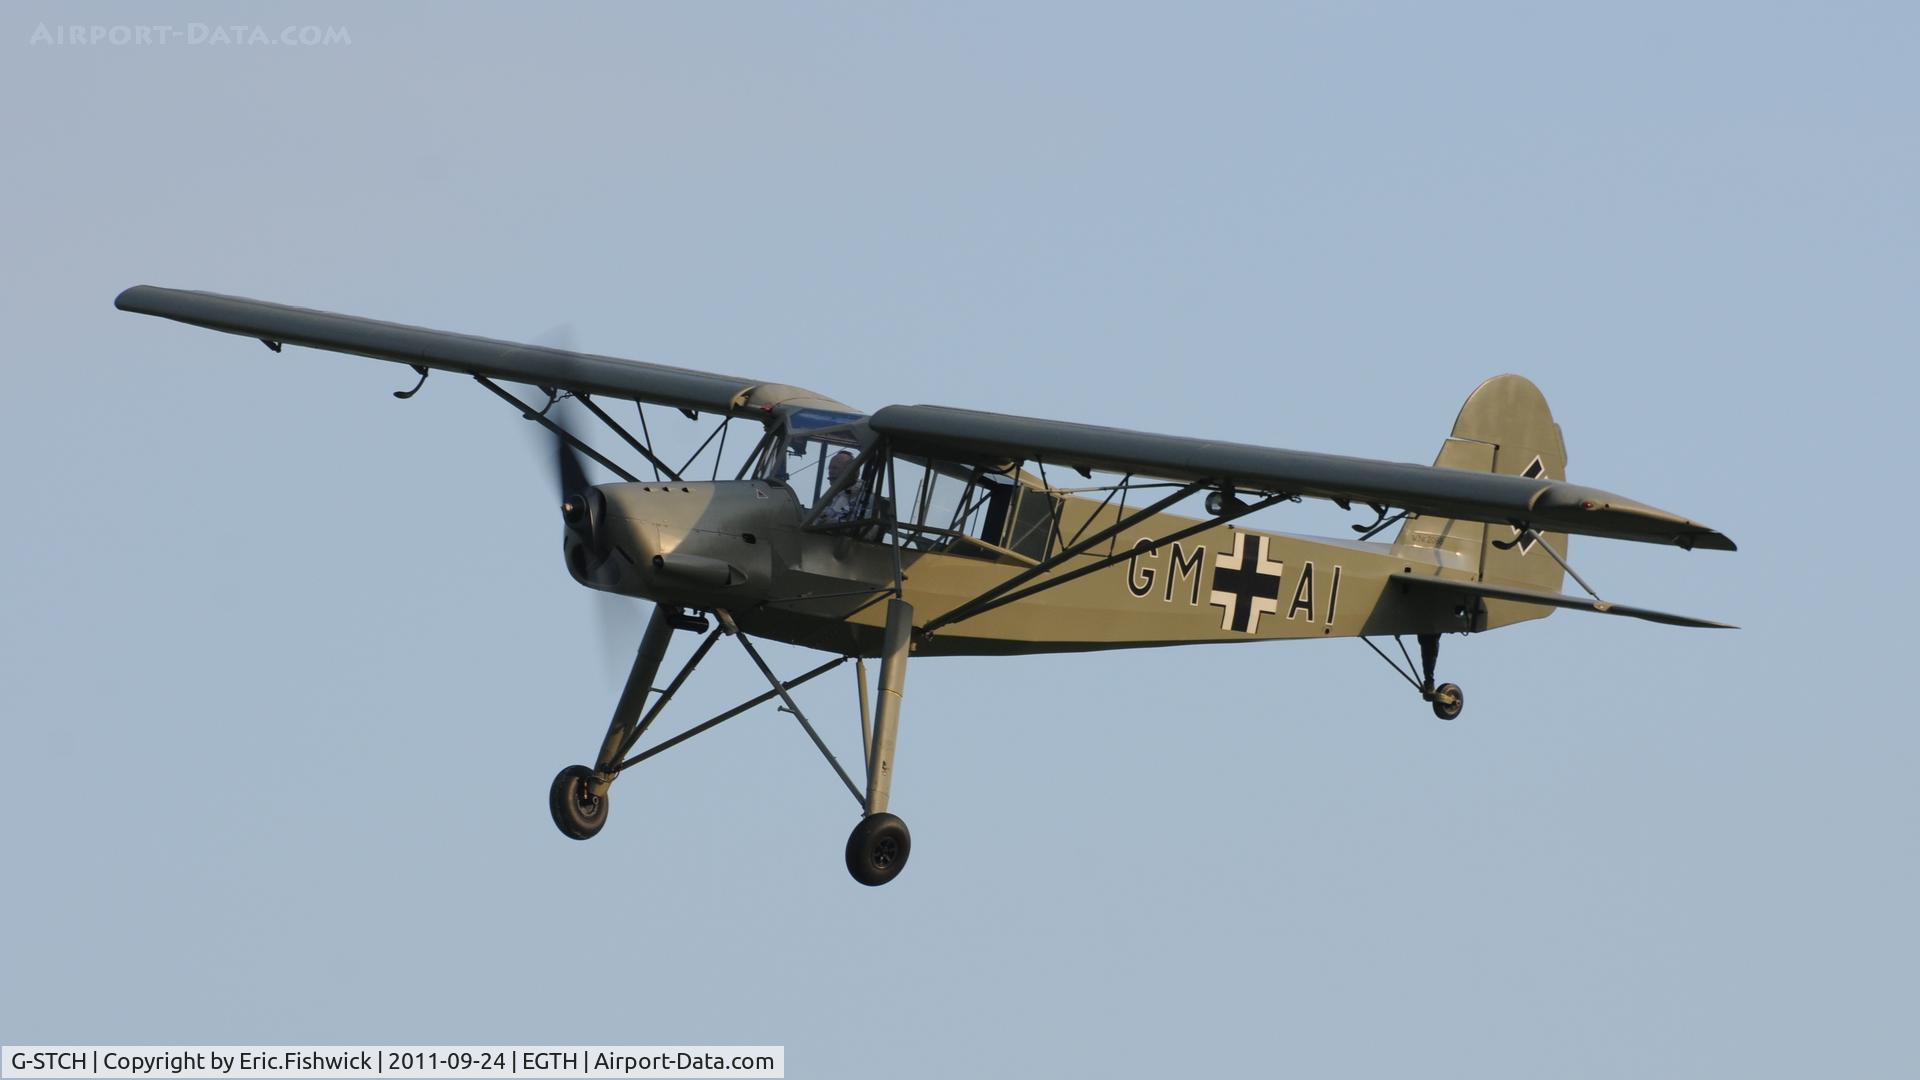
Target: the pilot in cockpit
(850, 504)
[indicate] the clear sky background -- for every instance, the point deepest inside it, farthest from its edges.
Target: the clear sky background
(286, 665)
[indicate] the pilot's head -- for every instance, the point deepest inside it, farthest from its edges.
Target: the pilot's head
(838, 466)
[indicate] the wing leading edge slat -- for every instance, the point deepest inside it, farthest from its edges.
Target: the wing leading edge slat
(1547, 505)
(531, 364)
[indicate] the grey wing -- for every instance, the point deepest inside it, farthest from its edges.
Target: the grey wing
(1542, 504)
(465, 353)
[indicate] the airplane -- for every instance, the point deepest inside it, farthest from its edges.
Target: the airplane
(920, 530)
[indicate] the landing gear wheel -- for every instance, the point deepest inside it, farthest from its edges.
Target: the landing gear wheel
(1448, 699)
(877, 850)
(576, 809)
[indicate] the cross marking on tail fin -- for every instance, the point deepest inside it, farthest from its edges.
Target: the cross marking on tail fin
(1524, 539)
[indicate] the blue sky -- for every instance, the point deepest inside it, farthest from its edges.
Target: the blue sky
(288, 664)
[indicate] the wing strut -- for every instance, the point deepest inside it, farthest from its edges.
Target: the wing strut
(658, 465)
(720, 431)
(1505, 545)
(562, 433)
(990, 599)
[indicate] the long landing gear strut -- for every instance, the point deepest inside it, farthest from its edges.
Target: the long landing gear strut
(1447, 699)
(876, 850)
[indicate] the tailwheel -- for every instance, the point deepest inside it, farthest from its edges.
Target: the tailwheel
(1448, 699)
(877, 850)
(576, 809)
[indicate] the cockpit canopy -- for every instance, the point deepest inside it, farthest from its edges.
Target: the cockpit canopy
(916, 502)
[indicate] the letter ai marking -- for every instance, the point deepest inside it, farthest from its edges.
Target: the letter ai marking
(1303, 594)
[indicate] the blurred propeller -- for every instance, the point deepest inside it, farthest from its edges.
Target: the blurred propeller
(620, 618)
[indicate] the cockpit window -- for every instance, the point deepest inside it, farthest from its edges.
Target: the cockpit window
(921, 504)
(1034, 519)
(952, 508)
(806, 421)
(800, 459)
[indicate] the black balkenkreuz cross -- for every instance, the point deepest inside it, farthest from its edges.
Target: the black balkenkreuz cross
(1525, 540)
(1245, 584)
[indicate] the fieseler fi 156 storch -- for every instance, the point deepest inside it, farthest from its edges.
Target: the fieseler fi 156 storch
(926, 531)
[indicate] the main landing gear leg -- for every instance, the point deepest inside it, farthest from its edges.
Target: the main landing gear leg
(877, 849)
(1447, 699)
(578, 798)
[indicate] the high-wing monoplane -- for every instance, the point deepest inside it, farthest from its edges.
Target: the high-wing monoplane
(925, 531)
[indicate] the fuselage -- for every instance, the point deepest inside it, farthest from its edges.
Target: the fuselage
(744, 546)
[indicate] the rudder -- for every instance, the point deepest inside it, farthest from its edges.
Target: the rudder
(1505, 427)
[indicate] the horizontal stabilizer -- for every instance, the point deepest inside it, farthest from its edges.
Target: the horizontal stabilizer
(1550, 599)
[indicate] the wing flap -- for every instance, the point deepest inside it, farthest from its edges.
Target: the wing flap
(1548, 505)
(1550, 599)
(468, 354)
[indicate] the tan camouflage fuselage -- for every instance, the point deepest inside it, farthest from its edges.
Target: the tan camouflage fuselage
(820, 588)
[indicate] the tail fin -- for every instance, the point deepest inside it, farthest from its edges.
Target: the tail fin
(1505, 427)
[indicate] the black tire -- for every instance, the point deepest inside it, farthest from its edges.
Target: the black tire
(1448, 700)
(877, 850)
(576, 810)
